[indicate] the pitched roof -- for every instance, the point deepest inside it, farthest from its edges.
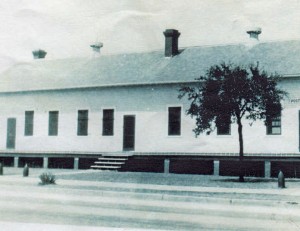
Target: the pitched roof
(147, 68)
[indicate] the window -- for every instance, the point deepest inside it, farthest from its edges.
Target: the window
(29, 123)
(53, 123)
(273, 125)
(174, 121)
(108, 122)
(223, 125)
(82, 126)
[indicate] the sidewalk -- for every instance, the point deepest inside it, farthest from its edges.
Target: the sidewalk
(15, 226)
(94, 200)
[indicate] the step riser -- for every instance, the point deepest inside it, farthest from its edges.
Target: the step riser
(112, 163)
(114, 159)
(105, 167)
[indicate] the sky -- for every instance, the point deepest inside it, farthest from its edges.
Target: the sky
(67, 28)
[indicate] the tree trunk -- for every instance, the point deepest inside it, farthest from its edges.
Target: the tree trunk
(241, 156)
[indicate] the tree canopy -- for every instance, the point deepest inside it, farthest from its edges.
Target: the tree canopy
(228, 93)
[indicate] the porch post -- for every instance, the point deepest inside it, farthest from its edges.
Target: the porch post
(216, 167)
(76, 163)
(16, 161)
(45, 162)
(166, 166)
(267, 169)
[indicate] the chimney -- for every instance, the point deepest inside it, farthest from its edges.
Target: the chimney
(254, 32)
(96, 47)
(39, 54)
(171, 42)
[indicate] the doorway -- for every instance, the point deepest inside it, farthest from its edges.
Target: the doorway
(129, 133)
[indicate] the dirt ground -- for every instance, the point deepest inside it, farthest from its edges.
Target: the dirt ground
(158, 178)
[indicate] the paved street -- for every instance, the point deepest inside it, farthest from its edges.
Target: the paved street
(103, 205)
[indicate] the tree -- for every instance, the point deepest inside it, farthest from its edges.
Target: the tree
(229, 93)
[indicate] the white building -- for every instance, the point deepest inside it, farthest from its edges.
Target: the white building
(60, 113)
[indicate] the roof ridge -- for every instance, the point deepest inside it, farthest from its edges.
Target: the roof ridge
(244, 43)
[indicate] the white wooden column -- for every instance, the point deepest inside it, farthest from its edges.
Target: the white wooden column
(76, 163)
(166, 166)
(267, 169)
(16, 161)
(216, 167)
(45, 162)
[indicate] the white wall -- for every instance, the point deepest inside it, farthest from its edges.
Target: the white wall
(150, 106)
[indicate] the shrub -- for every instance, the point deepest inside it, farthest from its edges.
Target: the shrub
(47, 178)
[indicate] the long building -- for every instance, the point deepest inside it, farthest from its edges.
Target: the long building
(70, 112)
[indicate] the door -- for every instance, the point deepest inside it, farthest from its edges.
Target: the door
(129, 133)
(11, 133)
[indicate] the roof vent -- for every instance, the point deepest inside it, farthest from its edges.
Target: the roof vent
(39, 54)
(96, 47)
(254, 32)
(171, 42)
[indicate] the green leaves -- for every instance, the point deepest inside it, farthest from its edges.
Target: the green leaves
(237, 92)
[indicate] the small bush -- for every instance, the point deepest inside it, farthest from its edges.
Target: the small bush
(47, 178)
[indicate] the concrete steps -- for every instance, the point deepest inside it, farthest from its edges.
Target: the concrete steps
(110, 161)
